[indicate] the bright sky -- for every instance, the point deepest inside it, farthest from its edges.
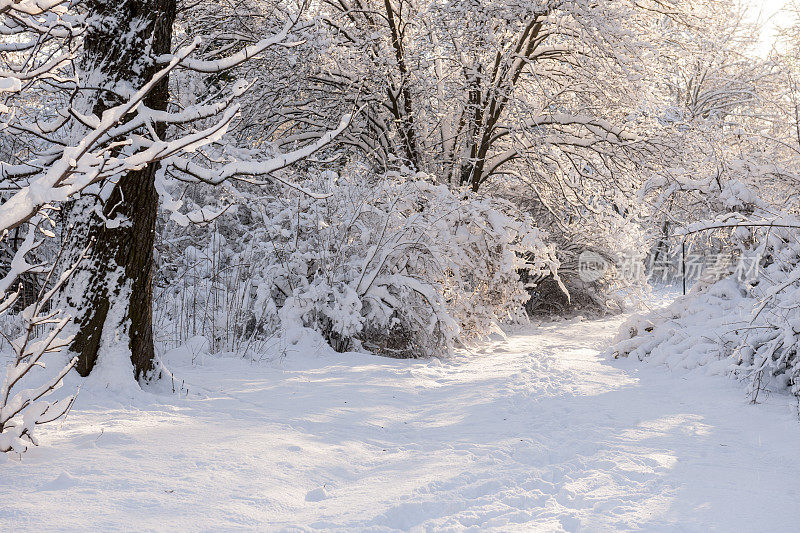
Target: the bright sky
(765, 11)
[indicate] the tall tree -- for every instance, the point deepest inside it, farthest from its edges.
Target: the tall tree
(470, 91)
(123, 41)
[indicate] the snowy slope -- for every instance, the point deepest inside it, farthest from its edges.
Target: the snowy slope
(537, 432)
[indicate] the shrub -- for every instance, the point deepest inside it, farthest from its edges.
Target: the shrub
(745, 325)
(393, 264)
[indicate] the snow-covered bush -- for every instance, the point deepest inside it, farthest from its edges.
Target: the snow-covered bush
(746, 324)
(617, 283)
(391, 263)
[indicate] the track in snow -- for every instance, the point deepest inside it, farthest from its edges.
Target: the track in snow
(536, 432)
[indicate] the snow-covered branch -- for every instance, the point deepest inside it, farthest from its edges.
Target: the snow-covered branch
(21, 410)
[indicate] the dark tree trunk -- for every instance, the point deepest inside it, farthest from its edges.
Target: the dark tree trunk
(112, 292)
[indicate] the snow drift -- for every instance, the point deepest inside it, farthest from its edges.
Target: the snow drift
(745, 325)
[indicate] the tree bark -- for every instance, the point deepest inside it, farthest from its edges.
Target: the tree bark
(111, 294)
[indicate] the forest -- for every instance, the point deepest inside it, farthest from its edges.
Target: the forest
(399, 265)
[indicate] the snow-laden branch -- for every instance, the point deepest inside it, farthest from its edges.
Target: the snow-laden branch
(237, 169)
(232, 61)
(22, 410)
(77, 168)
(29, 7)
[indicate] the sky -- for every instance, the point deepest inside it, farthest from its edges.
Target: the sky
(765, 10)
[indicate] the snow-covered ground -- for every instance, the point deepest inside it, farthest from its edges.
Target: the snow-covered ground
(536, 432)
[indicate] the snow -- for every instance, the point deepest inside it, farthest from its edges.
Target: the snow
(536, 431)
(11, 85)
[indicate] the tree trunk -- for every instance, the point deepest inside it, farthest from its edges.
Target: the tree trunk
(111, 294)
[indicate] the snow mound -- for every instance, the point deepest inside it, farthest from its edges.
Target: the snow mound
(316, 495)
(62, 482)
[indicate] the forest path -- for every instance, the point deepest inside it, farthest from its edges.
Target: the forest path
(535, 432)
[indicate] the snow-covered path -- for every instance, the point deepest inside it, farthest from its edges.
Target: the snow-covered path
(538, 433)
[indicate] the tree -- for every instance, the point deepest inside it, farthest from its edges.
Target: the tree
(99, 71)
(122, 41)
(470, 91)
(549, 104)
